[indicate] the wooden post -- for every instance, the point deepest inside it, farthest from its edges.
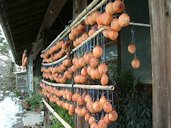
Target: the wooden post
(78, 6)
(46, 116)
(160, 15)
(30, 73)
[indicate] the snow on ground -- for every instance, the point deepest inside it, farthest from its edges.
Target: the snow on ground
(8, 110)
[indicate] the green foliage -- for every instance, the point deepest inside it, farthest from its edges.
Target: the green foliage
(35, 100)
(55, 123)
(17, 93)
(132, 103)
(4, 48)
(62, 113)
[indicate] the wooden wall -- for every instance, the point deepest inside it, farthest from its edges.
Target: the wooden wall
(160, 14)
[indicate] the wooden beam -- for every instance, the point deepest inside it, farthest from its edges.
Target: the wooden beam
(38, 46)
(160, 15)
(52, 13)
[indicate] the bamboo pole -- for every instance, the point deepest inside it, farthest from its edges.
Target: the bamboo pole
(84, 42)
(57, 85)
(65, 124)
(139, 24)
(68, 29)
(97, 87)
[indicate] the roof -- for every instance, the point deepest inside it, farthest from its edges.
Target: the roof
(21, 21)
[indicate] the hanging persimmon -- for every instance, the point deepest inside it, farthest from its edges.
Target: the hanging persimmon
(91, 32)
(97, 51)
(87, 116)
(104, 79)
(106, 18)
(94, 16)
(98, 75)
(83, 111)
(84, 72)
(132, 48)
(115, 25)
(124, 20)
(118, 6)
(71, 36)
(102, 124)
(94, 62)
(81, 27)
(97, 106)
(109, 8)
(106, 119)
(135, 63)
(113, 116)
(102, 68)
(107, 107)
(91, 120)
(105, 33)
(71, 110)
(112, 35)
(99, 19)
(90, 20)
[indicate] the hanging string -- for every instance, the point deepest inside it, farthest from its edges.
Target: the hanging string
(133, 34)
(133, 39)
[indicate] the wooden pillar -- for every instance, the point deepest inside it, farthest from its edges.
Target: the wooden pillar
(78, 6)
(46, 116)
(30, 73)
(160, 16)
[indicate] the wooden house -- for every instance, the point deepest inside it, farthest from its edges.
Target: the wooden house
(32, 25)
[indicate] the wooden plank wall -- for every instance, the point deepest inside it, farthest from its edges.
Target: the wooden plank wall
(160, 14)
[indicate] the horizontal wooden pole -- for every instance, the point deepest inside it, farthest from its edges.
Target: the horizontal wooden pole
(65, 124)
(97, 87)
(139, 24)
